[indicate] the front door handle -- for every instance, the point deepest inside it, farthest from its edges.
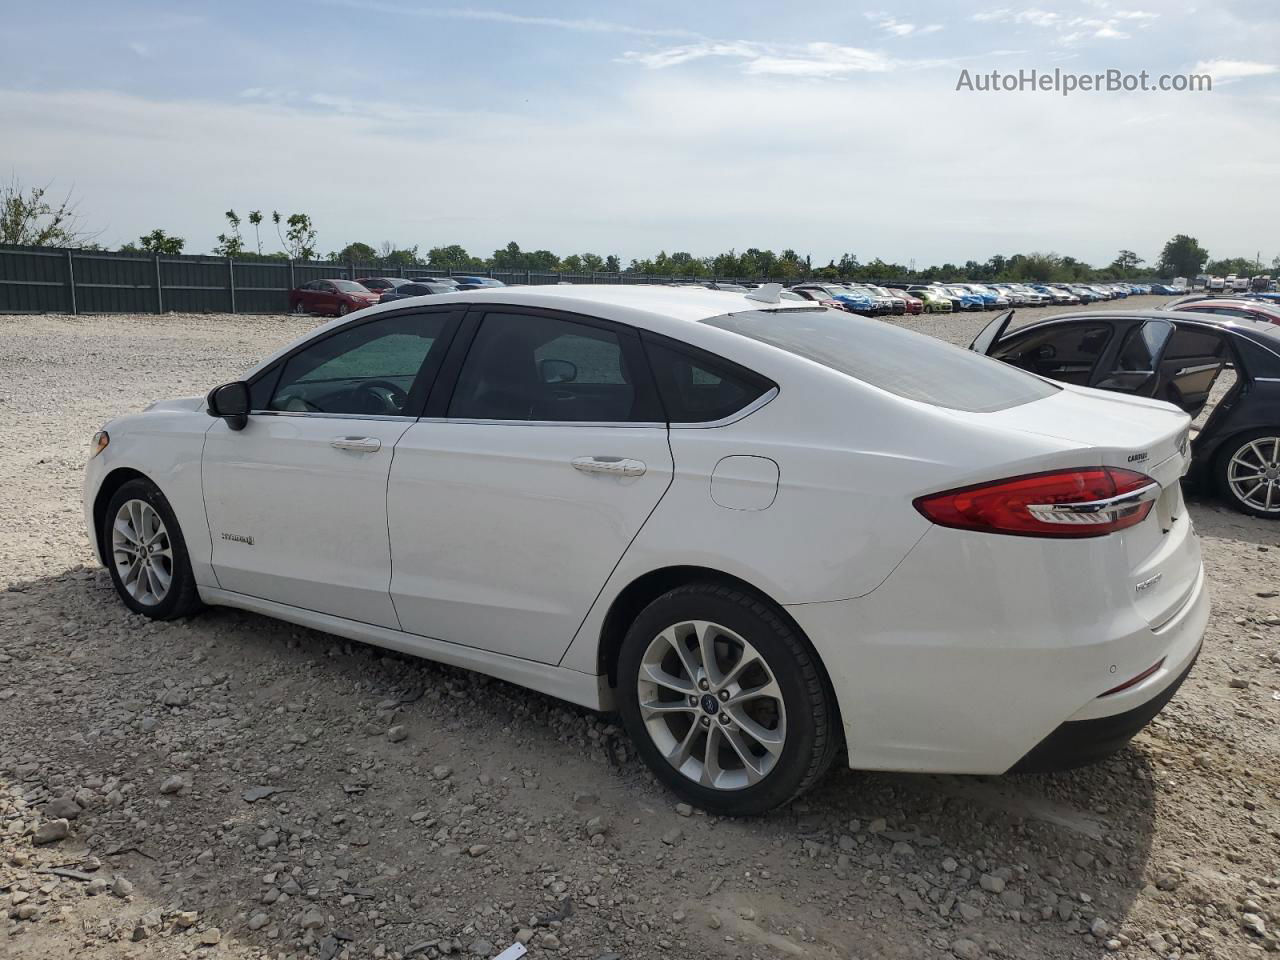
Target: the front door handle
(357, 444)
(617, 466)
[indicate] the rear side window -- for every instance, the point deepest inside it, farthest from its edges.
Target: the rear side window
(538, 368)
(911, 365)
(699, 387)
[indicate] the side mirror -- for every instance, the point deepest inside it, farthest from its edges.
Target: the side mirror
(558, 371)
(231, 402)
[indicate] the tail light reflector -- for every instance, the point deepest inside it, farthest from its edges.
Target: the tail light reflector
(1084, 502)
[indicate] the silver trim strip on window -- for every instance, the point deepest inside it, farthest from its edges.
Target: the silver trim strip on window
(327, 416)
(545, 423)
(746, 411)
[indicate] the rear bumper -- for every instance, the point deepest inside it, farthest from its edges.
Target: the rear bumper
(1078, 743)
(976, 662)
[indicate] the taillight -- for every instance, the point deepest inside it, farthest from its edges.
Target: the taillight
(1086, 502)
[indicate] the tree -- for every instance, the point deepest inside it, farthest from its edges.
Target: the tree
(452, 256)
(157, 241)
(29, 217)
(389, 253)
(230, 244)
(612, 264)
(255, 218)
(1182, 257)
(299, 236)
(1241, 266)
(355, 253)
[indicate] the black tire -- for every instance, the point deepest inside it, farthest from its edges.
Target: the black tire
(1222, 471)
(812, 730)
(343, 309)
(299, 309)
(182, 598)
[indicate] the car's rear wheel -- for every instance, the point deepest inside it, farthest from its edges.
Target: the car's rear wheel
(299, 309)
(146, 554)
(725, 700)
(1249, 473)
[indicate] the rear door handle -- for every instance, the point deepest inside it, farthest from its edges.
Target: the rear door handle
(617, 466)
(357, 444)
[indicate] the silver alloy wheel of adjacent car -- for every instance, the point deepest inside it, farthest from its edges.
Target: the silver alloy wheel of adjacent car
(142, 552)
(1253, 474)
(712, 705)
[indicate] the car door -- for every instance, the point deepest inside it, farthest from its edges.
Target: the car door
(1068, 351)
(543, 453)
(1190, 366)
(1132, 364)
(297, 500)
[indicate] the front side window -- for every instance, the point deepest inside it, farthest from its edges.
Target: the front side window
(908, 364)
(538, 368)
(364, 369)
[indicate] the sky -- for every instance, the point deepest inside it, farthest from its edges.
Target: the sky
(825, 127)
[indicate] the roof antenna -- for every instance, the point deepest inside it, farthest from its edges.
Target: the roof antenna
(766, 293)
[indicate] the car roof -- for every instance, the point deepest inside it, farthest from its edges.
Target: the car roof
(1255, 328)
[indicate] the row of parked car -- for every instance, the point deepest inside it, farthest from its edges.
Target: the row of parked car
(339, 297)
(874, 300)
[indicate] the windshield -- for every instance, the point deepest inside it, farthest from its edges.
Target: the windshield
(349, 286)
(908, 364)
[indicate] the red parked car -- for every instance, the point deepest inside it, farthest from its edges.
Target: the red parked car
(914, 304)
(1228, 307)
(336, 297)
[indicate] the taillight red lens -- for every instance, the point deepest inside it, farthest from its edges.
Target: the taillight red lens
(1086, 502)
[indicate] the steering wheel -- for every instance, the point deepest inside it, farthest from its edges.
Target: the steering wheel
(389, 398)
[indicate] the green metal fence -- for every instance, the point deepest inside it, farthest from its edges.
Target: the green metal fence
(55, 280)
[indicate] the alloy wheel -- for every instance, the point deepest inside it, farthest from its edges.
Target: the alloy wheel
(142, 552)
(1254, 474)
(711, 705)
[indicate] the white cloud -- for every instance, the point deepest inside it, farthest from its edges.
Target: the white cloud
(1222, 70)
(817, 59)
(1071, 30)
(581, 25)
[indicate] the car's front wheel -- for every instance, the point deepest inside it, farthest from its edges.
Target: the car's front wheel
(299, 309)
(1249, 473)
(146, 553)
(725, 700)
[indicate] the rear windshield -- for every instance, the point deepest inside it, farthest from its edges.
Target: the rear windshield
(911, 365)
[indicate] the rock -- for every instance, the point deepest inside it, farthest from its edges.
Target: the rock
(968, 912)
(95, 887)
(211, 937)
(268, 840)
(1239, 683)
(172, 784)
(991, 883)
(397, 733)
(673, 836)
(185, 919)
(550, 941)
(121, 887)
(173, 697)
(877, 825)
(524, 935)
(596, 826)
(1099, 927)
(481, 948)
(478, 849)
(967, 950)
(442, 771)
(63, 808)
(51, 831)
(258, 921)
(902, 849)
(1082, 859)
(1254, 923)
(312, 920)
(684, 810)
(949, 865)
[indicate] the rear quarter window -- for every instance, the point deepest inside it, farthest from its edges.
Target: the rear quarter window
(907, 364)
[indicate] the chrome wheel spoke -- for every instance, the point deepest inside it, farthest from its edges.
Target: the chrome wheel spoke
(688, 659)
(655, 674)
(706, 634)
(769, 690)
(680, 754)
(666, 706)
(750, 763)
(711, 769)
(771, 740)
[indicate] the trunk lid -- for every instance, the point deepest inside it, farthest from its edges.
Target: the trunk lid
(1132, 433)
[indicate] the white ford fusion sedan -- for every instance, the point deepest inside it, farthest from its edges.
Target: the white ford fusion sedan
(767, 533)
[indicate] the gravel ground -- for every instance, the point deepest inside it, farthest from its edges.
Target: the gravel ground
(234, 786)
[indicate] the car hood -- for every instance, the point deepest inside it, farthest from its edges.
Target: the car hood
(179, 404)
